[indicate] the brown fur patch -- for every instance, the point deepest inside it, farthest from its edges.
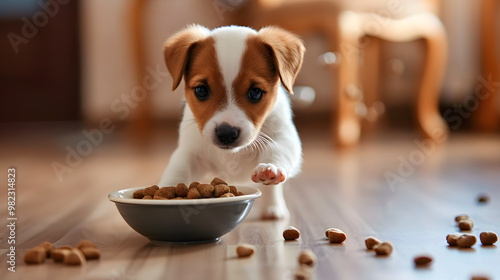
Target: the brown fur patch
(288, 52)
(202, 68)
(257, 70)
(177, 48)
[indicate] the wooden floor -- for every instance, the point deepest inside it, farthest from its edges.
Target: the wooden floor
(346, 190)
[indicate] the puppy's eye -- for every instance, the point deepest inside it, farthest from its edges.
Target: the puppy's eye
(255, 95)
(201, 92)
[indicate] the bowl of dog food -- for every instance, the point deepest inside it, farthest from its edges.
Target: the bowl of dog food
(198, 213)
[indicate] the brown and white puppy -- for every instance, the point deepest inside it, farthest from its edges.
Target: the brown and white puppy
(238, 122)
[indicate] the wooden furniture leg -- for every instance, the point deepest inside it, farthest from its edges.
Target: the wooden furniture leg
(370, 75)
(346, 124)
(429, 119)
(141, 115)
(486, 118)
(420, 26)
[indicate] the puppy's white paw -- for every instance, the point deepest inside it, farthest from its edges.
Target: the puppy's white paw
(268, 174)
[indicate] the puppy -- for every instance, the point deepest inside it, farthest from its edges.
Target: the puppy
(238, 122)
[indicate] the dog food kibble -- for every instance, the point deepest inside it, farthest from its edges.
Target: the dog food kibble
(452, 239)
(233, 190)
(84, 250)
(138, 194)
(181, 190)
(480, 277)
(291, 233)
(216, 188)
(91, 253)
(466, 224)
(36, 255)
(307, 257)
(421, 261)
(488, 237)
(221, 189)
(84, 243)
(245, 250)
(59, 253)
(466, 241)
(193, 185)
(193, 193)
(74, 257)
(206, 190)
(335, 235)
(371, 242)
(384, 249)
(328, 230)
(461, 217)
(150, 191)
(48, 247)
(166, 192)
(483, 198)
(216, 181)
(303, 272)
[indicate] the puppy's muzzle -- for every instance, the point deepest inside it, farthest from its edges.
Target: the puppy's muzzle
(227, 135)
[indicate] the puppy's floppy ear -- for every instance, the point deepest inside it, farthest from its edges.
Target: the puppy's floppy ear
(176, 50)
(288, 51)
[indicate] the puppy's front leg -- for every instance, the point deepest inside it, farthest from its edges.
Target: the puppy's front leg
(272, 204)
(271, 176)
(274, 169)
(179, 169)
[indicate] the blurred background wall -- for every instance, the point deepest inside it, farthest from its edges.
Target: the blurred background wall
(79, 64)
(107, 68)
(40, 73)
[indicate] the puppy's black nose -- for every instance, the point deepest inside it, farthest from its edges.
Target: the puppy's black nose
(227, 134)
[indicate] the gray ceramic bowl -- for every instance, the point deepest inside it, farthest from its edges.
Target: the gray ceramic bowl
(186, 220)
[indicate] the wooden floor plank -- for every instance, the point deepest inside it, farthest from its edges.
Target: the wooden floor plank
(347, 190)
